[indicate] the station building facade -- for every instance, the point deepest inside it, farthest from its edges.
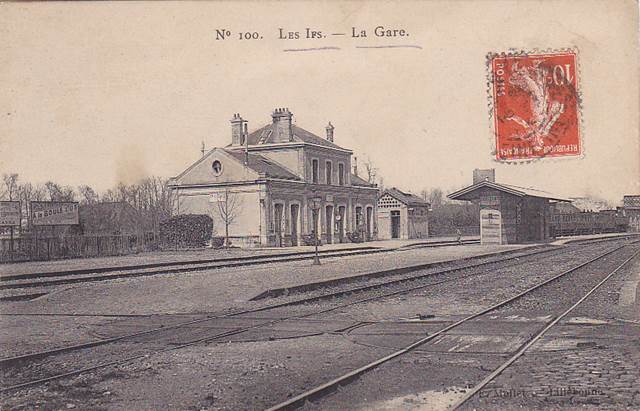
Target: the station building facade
(269, 180)
(402, 215)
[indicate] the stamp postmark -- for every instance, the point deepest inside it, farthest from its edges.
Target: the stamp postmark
(535, 105)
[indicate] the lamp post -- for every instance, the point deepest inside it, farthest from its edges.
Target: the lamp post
(315, 207)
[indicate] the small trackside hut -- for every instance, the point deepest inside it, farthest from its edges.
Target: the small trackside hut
(509, 214)
(402, 215)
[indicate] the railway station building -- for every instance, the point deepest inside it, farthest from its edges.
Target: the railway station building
(509, 214)
(281, 184)
(402, 215)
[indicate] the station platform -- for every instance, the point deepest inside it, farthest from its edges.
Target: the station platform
(204, 253)
(577, 238)
(217, 289)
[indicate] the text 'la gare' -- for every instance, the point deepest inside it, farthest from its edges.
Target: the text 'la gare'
(309, 33)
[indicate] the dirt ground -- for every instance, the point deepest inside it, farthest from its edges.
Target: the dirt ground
(276, 361)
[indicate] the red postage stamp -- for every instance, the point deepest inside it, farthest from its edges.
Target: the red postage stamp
(535, 105)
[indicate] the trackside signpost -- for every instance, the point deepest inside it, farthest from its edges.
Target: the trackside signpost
(490, 226)
(53, 213)
(10, 216)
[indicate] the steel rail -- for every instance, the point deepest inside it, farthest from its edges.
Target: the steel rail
(534, 339)
(33, 356)
(46, 353)
(225, 261)
(74, 279)
(97, 270)
(330, 386)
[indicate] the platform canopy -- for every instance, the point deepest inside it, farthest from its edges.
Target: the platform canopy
(473, 192)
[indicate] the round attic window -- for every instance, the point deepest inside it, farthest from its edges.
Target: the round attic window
(216, 167)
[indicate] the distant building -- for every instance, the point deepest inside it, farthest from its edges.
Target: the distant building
(273, 174)
(631, 210)
(402, 215)
(564, 208)
(589, 204)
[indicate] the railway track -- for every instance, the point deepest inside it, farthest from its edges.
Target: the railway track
(332, 294)
(473, 391)
(54, 278)
(331, 386)
(18, 362)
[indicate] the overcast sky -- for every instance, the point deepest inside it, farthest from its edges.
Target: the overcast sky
(105, 92)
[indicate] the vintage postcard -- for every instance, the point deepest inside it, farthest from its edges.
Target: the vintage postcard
(320, 205)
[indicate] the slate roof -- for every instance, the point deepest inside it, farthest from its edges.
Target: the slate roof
(263, 165)
(464, 194)
(406, 198)
(266, 135)
(357, 181)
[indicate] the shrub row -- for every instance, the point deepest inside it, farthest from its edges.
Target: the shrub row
(187, 230)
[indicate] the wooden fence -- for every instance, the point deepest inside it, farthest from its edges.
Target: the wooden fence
(80, 246)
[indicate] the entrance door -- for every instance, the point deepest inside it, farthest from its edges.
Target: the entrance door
(294, 224)
(329, 223)
(359, 224)
(369, 222)
(341, 213)
(278, 224)
(395, 224)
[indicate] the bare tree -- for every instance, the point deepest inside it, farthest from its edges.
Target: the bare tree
(228, 209)
(59, 193)
(155, 200)
(27, 193)
(88, 195)
(434, 196)
(371, 170)
(10, 189)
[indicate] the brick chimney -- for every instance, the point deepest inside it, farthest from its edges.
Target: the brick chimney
(484, 175)
(330, 129)
(237, 130)
(282, 120)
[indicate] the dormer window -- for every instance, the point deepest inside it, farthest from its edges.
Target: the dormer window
(216, 167)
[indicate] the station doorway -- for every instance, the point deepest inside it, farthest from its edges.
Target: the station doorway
(395, 224)
(340, 223)
(294, 224)
(278, 224)
(329, 223)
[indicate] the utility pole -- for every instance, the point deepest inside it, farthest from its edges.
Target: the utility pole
(245, 136)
